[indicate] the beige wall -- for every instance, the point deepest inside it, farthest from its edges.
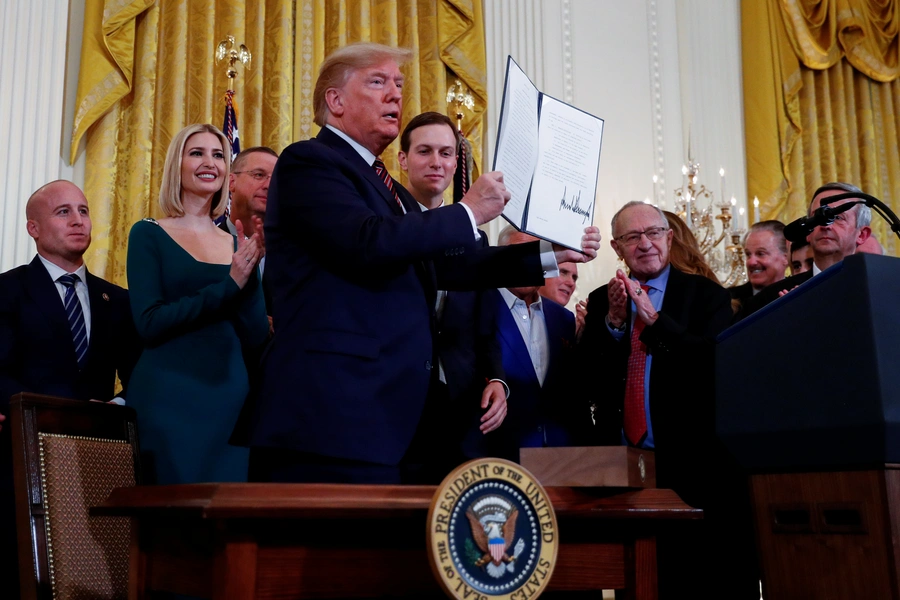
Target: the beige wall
(651, 69)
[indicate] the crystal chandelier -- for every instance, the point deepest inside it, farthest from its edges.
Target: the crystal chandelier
(712, 223)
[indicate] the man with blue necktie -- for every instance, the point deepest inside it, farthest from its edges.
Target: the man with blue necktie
(649, 339)
(63, 331)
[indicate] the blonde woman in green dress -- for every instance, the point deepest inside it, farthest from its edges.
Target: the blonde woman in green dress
(198, 307)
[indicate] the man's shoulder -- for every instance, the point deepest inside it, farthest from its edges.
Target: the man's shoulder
(557, 311)
(740, 292)
(325, 143)
(107, 287)
(788, 283)
(13, 281)
(699, 282)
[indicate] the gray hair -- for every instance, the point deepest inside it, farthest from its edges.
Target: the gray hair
(863, 213)
(776, 228)
(662, 215)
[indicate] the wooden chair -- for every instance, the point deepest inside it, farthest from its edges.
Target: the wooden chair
(68, 456)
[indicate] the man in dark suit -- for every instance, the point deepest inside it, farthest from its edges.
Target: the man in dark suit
(354, 286)
(829, 243)
(59, 335)
(648, 341)
(355, 267)
(470, 367)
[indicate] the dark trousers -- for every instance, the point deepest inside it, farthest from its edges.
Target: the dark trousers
(432, 454)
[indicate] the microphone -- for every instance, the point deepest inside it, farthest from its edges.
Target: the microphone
(822, 216)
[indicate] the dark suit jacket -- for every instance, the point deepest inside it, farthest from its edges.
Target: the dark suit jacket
(718, 553)
(770, 293)
(535, 412)
(37, 353)
(682, 403)
(354, 283)
(741, 292)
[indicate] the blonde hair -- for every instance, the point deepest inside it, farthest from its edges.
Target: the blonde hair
(341, 63)
(170, 188)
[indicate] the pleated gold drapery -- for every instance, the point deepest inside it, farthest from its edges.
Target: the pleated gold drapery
(445, 34)
(148, 70)
(175, 82)
(821, 101)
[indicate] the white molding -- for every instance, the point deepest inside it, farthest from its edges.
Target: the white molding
(656, 105)
(33, 35)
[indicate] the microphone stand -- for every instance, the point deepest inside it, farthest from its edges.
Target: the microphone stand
(875, 204)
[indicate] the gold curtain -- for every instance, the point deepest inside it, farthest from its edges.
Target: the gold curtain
(821, 101)
(147, 70)
(174, 82)
(447, 39)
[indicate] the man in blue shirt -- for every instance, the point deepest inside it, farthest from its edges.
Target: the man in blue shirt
(649, 338)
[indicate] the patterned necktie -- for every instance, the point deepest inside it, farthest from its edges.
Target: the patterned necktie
(383, 174)
(635, 422)
(76, 318)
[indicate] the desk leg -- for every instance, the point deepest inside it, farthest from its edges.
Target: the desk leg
(137, 564)
(234, 570)
(640, 570)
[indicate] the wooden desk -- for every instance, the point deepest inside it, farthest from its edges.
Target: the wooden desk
(279, 541)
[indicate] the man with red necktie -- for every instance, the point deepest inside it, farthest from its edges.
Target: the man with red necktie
(649, 338)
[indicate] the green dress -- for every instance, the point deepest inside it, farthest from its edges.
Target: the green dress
(191, 381)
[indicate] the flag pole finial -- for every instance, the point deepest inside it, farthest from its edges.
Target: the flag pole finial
(228, 50)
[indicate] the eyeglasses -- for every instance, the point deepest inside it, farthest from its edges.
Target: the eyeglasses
(255, 175)
(653, 234)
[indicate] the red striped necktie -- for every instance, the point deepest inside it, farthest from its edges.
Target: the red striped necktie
(635, 418)
(383, 174)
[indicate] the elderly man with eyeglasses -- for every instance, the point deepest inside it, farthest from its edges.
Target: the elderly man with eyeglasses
(648, 344)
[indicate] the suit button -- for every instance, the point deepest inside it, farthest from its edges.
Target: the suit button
(427, 365)
(540, 428)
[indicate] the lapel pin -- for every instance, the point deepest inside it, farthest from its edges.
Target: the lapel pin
(105, 296)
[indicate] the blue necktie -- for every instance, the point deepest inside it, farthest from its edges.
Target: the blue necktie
(76, 318)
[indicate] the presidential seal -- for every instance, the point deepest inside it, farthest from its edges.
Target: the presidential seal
(492, 532)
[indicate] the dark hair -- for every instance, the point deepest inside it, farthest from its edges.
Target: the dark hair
(800, 244)
(241, 157)
(427, 118)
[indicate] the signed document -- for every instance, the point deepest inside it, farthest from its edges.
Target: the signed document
(549, 154)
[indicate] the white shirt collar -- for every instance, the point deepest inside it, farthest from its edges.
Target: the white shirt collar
(362, 150)
(56, 271)
(511, 299)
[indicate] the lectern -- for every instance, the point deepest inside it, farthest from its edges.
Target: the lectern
(808, 400)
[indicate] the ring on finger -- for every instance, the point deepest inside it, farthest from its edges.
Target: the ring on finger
(638, 292)
(247, 259)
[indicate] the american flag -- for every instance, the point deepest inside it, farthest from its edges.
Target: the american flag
(230, 128)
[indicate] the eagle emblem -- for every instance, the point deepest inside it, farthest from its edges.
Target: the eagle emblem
(493, 523)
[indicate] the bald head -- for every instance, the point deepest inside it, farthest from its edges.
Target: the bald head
(60, 223)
